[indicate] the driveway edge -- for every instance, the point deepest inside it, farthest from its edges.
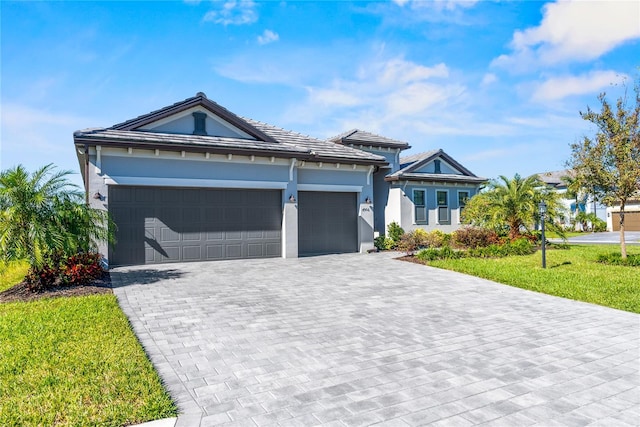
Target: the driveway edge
(189, 413)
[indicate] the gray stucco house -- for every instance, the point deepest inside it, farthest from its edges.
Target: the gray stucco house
(193, 181)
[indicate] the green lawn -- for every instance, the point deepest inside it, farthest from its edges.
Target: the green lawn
(75, 361)
(571, 273)
(12, 273)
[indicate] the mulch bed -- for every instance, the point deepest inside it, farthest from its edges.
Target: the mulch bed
(20, 292)
(411, 258)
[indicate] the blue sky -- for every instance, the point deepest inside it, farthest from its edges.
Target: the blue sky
(497, 85)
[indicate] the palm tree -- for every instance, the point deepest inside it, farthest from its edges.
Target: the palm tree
(43, 216)
(512, 204)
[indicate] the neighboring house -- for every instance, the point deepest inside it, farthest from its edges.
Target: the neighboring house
(557, 180)
(631, 215)
(193, 181)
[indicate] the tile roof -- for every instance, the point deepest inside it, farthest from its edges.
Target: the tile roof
(269, 140)
(409, 165)
(323, 149)
(408, 160)
(554, 178)
(361, 137)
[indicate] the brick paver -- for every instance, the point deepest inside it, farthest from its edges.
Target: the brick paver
(354, 340)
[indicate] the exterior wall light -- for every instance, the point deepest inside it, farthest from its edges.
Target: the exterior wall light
(367, 200)
(292, 199)
(97, 196)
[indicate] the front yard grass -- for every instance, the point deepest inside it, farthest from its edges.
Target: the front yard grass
(11, 273)
(571, 273)
(75, 361)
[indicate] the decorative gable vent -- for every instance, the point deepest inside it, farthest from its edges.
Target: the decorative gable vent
(436, 164)
(199, 124)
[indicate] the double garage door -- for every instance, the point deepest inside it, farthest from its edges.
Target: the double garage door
(158, 225)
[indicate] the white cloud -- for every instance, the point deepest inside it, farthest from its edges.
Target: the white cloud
(574, 31)
(233, 12)
(561, 87)
(379, 93)
(488, 79)
(267, 37)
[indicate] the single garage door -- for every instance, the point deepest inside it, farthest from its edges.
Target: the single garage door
(327, 223)
(631, 221)
(157, 225)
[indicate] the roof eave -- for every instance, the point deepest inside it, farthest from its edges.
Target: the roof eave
(81, 140)
(463, 178)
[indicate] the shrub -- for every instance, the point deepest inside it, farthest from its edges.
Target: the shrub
(616, 259)
(445, 252)
(474, 237)
(38, 280)
(521, 246)
(81, 269)
(76, 270)
(419, 239)
(383, 243)
(437, 239)
(408, 243)
(597, 224)
(395, 232)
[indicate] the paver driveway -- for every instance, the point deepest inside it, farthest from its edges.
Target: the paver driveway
(365, 339)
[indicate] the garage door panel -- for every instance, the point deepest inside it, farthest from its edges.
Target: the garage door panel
(219, 235)
(157, 225)
(191, 215)
(272, 249)
(233, 235)
(167, 235)
(255, 250)
(234, 251)
(215, 252)
(255, 234)
(140, 195)
(191, 253)
(170, 253)
(171, 196)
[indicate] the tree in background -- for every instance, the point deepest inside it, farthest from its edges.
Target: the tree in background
(609, 163)
(511, 206)
(43, 217)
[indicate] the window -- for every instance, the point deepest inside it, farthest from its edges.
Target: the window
(463, 198)
(442, 197)
(419, 206)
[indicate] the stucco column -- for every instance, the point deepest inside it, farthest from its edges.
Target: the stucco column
(290, 214)
(98, 196)
(290, 230)
(365, 227)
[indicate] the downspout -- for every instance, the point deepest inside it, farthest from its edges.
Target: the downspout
(86, 174)
(371, 168)
(293, 164)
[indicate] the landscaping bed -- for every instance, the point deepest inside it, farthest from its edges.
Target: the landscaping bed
(21, 292)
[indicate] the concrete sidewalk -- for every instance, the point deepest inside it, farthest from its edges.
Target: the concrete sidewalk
(353, 340)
